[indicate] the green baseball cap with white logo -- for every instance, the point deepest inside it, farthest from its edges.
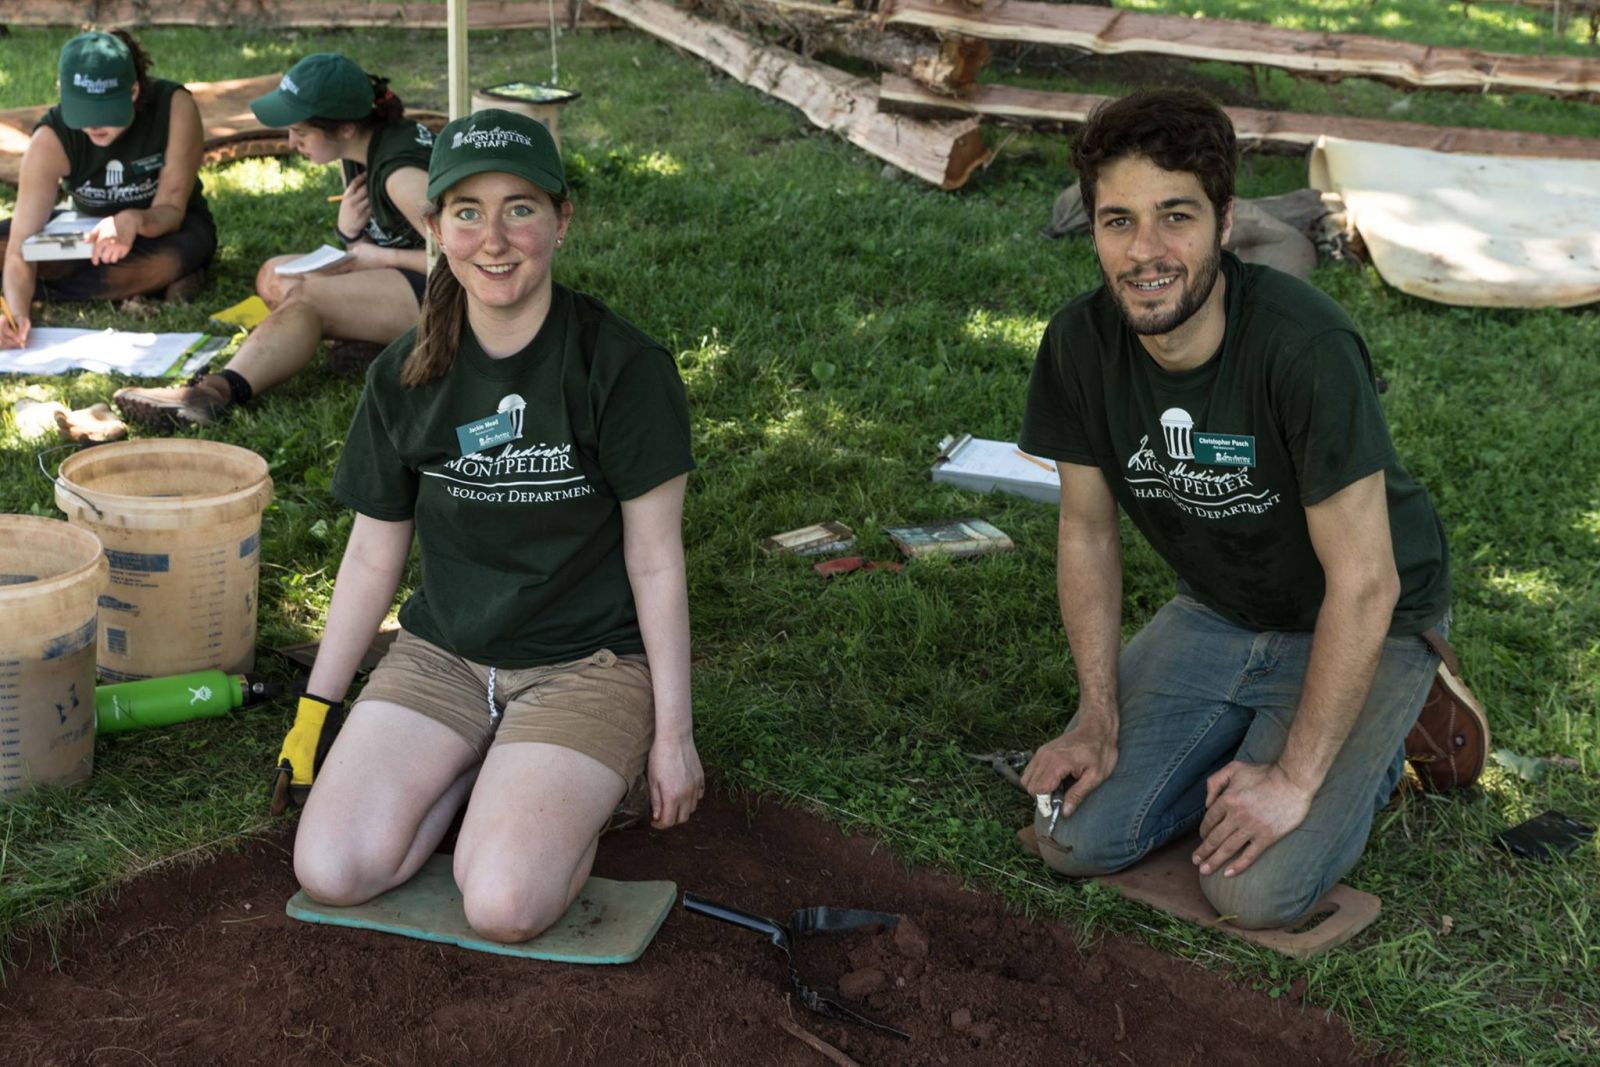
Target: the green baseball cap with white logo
(321, 86)
(97, 79)
(495, 140)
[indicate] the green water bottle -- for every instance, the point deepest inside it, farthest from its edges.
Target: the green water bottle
(178, 698)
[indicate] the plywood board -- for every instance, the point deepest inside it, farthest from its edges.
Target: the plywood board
(1471, 230)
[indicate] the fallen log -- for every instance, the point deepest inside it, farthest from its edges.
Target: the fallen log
(949, 66)
(1281, 131)
(1110, 32)
(944, 152)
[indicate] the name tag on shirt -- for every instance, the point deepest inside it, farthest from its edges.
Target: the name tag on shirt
(1225, 449)
(479, 434)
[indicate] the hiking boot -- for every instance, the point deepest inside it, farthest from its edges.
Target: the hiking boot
(350, 359)
(195, 403)
(1450, 741)
(185, 288)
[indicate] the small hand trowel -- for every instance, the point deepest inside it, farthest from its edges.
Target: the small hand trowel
(805, 922)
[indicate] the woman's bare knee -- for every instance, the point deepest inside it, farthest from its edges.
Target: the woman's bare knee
(506, 911)
(336, 878)
(509, 909)
(337, 867)
(272, 287)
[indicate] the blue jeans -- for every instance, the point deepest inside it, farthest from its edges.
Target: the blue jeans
(1197, 691)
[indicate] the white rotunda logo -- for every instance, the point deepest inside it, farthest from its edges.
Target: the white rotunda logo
(515, 404)
(114, 172)
(1177, 426)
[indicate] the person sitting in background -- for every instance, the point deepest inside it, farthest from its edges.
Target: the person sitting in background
(536, 446)
(333, 111)
(126, 149)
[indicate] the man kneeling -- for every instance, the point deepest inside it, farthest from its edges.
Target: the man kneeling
(1232, 412)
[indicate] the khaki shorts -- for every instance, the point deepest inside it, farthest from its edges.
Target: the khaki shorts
(601, 705)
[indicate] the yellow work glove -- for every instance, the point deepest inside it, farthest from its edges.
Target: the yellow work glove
(316, 724)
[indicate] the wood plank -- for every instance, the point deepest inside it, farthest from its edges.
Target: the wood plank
(949, 65)
(1280, 130)
(944, 152)
(1111, 32)
(484, 14)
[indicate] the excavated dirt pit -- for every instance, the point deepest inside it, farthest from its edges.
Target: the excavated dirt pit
(201, 966)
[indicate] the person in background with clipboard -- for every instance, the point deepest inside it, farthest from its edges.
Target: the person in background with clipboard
(126, 149)
(536, 447)
(333, 111)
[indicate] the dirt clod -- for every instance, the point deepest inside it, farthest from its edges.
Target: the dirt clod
(910, 940)
(863, 983)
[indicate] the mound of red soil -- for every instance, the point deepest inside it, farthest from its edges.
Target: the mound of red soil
(202, 966)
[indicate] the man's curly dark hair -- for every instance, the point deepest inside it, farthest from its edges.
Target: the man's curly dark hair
(1176, 129)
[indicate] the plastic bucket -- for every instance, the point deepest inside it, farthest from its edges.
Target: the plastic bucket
(51, 576)
(181, 524)
(542, 103)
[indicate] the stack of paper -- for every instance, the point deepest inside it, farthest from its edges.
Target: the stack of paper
(63, 237)
(324, 257)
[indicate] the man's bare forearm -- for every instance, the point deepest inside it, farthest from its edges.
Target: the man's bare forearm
(1345, 649)
(1089, 586)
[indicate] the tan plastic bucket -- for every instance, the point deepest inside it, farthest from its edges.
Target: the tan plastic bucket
(181, 524)
(51, 575)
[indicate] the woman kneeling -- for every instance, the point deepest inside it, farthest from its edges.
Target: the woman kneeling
(537, 445)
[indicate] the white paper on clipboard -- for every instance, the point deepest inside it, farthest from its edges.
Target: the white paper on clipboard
(988, 466)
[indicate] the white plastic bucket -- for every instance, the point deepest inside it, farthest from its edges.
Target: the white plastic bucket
(181, 524)
(51, 577)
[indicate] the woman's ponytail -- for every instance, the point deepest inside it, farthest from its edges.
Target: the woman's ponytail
(386, 107)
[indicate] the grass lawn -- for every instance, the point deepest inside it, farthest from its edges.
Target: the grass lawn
(832, 321)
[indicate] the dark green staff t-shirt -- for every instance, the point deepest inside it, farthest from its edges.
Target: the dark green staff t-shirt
(521, 542)
(1216, 465)
(403, 144)
(126, 172)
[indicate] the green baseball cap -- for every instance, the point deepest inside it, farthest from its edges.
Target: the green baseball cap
(495, 140)
(325, 85)
(97, 79)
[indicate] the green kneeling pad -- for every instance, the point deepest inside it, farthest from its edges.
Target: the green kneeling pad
(609, 922)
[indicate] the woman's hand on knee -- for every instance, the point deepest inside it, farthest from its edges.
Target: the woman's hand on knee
(677, 781)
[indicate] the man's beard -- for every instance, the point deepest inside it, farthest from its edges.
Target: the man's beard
(1156, 322)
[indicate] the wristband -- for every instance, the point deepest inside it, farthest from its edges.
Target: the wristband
(345, 240)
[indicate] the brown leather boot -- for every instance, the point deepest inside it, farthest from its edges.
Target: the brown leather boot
(197, 403)
(1450, 741)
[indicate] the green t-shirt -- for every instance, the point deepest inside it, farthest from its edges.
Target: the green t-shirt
(126, 172)
(1216, 465)
(521, 542)
(403, 144)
